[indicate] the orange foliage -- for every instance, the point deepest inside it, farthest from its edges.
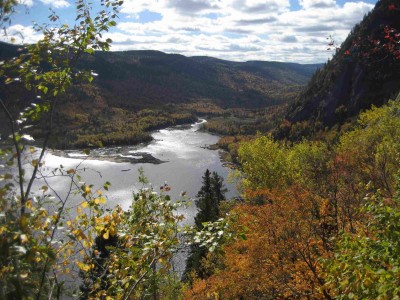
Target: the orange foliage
(279, 258)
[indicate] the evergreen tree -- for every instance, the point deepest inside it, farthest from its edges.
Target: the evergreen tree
(208, 199)
(219, 190)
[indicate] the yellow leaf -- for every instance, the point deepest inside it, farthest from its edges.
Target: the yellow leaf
(112, 230)
(83, 267)
(84, 204)
(106, 235)
(87, 190)
(79, 210)
(100, 192)
(29, 204)
(96, 201)
(103, 200)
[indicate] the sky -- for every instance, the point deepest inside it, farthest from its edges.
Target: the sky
(238, 30)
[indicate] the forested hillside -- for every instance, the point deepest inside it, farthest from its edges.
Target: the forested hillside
(319, 219)
(320, 213)
(135, 92)
(361, 73)
(148, 78)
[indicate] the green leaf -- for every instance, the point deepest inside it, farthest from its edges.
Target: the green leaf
(43, 88)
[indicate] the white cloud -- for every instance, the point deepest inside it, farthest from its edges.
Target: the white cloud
(235, 29)
(240, 29)
(137, 6)
(317, 3)
(56, 3)
(21, 34)
(257, 6)
(28, 3)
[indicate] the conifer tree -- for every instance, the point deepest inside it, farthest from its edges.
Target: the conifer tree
(208, 199)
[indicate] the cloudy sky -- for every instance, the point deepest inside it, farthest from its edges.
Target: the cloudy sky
(240, 30)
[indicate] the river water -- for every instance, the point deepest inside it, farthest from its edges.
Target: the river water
(185, 156)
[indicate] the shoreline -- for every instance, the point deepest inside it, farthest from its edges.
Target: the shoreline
(124, 157)
(124, 153)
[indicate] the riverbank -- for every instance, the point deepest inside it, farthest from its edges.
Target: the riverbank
(127, 153)
(118, 155)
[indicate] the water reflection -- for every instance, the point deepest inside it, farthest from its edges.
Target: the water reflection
(183, 149)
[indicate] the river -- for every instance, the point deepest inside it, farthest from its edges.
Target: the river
(182, 150)
(180, 157)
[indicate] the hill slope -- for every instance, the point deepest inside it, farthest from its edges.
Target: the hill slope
(139, 91)
(353, 80)
(144, 79)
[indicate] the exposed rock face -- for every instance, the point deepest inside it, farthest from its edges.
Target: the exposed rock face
(354, 80)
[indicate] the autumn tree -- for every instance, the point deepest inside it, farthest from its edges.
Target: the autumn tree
(43, 71)
(100, 272)
(300, 199)
(366, 264)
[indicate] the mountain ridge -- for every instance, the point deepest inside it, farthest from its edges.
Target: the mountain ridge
(190, 78)
(139, 91)
(355, 78)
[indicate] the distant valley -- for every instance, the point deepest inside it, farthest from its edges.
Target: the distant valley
(135, 92)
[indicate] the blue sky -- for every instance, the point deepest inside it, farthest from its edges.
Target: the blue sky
(240, 30)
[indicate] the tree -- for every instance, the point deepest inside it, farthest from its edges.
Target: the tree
(312, 193)
(119, 254)
(278, 259)
(132, 251)
(30, 251)
(366, 264)
(383, 44)
(219, 190)
(100, 272)
(208, 199)
(6, 10)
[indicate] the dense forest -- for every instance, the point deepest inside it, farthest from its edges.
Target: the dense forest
(318, 172)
